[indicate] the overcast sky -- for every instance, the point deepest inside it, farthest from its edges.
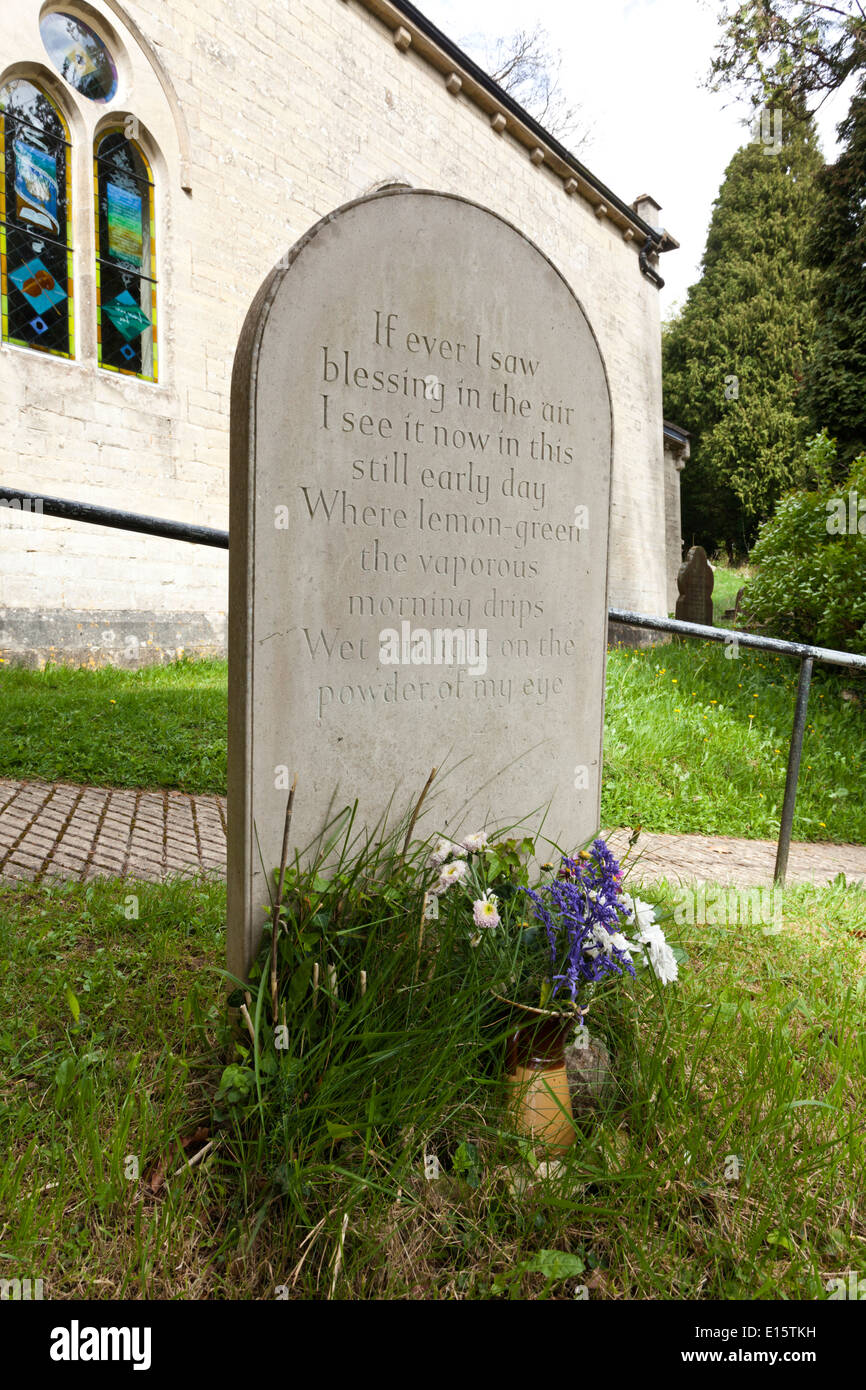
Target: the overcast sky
(637, 68)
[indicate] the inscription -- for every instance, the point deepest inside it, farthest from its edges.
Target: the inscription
(447, 388)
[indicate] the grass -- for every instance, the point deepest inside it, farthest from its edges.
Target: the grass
(694, 741)
(698, 743)
(727, 583)
(162, 726)
(111, 1048)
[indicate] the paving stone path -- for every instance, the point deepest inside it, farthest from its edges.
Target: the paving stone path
(55, 830)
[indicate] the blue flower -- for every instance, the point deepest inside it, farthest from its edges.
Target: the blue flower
(583, 916)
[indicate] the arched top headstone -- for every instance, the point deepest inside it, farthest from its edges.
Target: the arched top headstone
(420, 488)
(695, 582)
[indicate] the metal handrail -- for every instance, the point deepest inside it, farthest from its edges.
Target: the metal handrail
(807, 656)
(829, 655)
(39, 504)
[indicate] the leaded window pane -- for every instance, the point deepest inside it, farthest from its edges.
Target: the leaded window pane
(36, 286)
(79, 55)
(126, 260)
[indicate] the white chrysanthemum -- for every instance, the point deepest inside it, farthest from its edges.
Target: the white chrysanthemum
(608, 940)
(484, 910)
(653, 944)
(474, 843)
(662, 961)
(446, 849)
(619, 941)
(454, 872)
(642, 914)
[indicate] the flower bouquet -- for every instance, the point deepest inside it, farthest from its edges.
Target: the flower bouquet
(548, 948)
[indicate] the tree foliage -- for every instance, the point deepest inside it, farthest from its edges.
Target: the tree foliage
(790, 51)
(529, 67)
(835, 390)
(811, 559)
(733, 358)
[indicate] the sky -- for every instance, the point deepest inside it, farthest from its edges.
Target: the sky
(638, 69)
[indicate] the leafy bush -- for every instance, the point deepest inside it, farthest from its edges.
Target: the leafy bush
(810, 584)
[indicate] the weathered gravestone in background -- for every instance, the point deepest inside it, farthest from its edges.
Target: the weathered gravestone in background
(695, 583)
(421, 441)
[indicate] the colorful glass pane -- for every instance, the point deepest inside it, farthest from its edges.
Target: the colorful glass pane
(79, 55)
(126, 270)
(36, 191)
(129, 318)
(38, 285)
(35, 252)
(125, 224)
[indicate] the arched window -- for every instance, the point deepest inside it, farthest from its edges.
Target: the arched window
(35, 222)
(125, 258)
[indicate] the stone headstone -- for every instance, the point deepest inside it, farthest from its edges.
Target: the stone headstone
(735, 611)
(695, 583)
(420, 490)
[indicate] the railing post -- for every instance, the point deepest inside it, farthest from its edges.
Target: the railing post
(794, 754)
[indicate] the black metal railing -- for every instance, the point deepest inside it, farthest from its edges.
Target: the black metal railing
(40, 505)
(807, 657)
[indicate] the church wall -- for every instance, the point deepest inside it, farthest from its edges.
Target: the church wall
(290, 108)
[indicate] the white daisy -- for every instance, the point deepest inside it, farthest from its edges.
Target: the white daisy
(446, 849)
(473, 844)
(484, 911)
(454, 872)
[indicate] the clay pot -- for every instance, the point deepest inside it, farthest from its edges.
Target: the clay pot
(539, 1100)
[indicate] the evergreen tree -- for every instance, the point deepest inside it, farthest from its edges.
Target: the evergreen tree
(734, 357)
(835, 389)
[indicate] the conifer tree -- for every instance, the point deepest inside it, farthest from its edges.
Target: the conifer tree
(835, 389)
(735, 355)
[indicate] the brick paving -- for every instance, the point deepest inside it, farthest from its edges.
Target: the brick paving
(55, 830)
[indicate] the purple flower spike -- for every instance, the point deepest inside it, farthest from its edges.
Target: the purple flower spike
(583, 919)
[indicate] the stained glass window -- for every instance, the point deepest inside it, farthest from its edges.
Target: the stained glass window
(35, 198)
(125, 258)
(79, 55)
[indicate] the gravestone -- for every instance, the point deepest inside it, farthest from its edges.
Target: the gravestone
(735, 611)
(420, 490)
(695, 583)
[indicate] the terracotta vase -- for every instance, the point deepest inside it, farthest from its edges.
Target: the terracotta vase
(539, 1100)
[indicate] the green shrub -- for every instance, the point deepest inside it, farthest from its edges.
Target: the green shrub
(810, 584)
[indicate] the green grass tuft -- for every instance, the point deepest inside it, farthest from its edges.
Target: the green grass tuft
(162, 726)
(758, 1054)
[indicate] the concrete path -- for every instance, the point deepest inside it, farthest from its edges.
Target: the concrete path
(735, 863)
(55, 830)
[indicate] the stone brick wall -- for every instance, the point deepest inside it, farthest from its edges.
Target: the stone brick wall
(290, 108)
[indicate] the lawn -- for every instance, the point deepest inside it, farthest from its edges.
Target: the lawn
(726, 1160)
(695, 741)
(162, 726)
(726, 585)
